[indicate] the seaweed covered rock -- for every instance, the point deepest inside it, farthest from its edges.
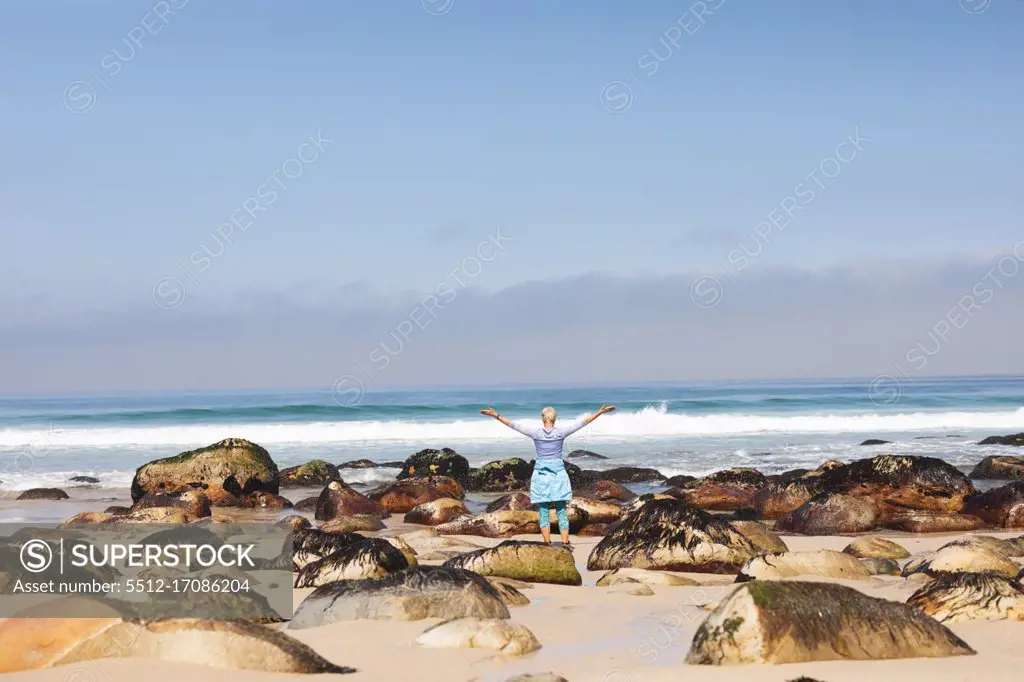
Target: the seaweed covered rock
(1002, 507)
(606, 491)
(511, 502)
(830, 514)
(403, 495)
(412, 594)
(1004, 547)
(313, 544)
(798, 622)
(508, 639)
(431, 462)
(1000, 468)
(315, 472)
(1016, 439)
(370, 558)
(437, 512)
(962, 559)
(228, 469)
(926, 522)
(959, 597)
(509, 590)
(876, 548)
(780, 497)
(823, 563)
(501, 476)
(723, 490)
(670, 535)
(533, 562)
(338, 499)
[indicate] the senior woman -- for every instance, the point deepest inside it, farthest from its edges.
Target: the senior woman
(549, 485)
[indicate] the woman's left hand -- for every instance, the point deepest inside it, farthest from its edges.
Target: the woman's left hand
(606, 408)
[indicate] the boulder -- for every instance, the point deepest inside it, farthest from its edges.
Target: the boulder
(962, 559)
(777, 498)
(670, 535)
(798, 622)
(117, 510)
(509, 590)
(229, 469)
(925, 522)
(47, 642)
(338, 499)
(959, 597)
(313, 473)
(412, 594)
(511, 502)
(294, 522)
(596, 511)
(1004, 547)
(437, 512)
(1002, 507)
(501, 476)
(364, 464)
(352, 524)
(640, 575)
(263, 500)
(497, 635)
(1016, 439)
(630, 475)
(43, 494)
(875, 441)
(824, 563)
(679, 480)
(154, 515)
(533, 562)
(830, 514)
(606, 491)
(307, 504)
(499, 524)
(759, 534)
(84, 480)
(402, 496)
(723, 490)
(430, 462)
(370, 558)
(638, 502)
(575, 454)
(195, 503)
(313, 544)
(876, 548)
(876, 566)
(999, 468)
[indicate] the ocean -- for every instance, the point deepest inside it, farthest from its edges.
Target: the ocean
(692, 428)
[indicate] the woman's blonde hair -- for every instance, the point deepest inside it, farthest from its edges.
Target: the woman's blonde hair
(548, 414)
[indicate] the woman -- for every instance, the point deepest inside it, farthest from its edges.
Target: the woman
(549, 485)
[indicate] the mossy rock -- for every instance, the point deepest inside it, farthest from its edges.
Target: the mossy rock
(533, 562)
(431, 462)
(505, 475)
(313, 473)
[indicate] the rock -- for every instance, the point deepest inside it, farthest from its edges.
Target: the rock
(430, 462)
(86, 480)
(195, 503)
(596, 511)
(313, 544)
(679, 480)
(500, 476)
(509, 591)
(639, 502)
(780, 497)
(1004, 547)
(900, 482)
(825, 563)
(1002, 507)
(371, 558)
(307, 504)
(352, 524)
(634, 589)
(533, 562)
(1016, 439)
(575, 454)
(43, 494)
(404, 547)
(670, 535)
(155, 515)
(878, 566)
(962, 559)
(876, 441)
(86, 518)
(830, 514)
(630, 475)
(436, 512)
(294, 522)
(594, 530)
(639, 575)
(402, 496)
(117, 510)
(798, 622)
(473, 633)
(959, 597)
(412, 594)
(511, 502)
(362, 464)
(1000, 468)
(315, 472)
(606, 491)
(500, 524)
(229, 469)
(876, 548)
(263, 500)
(338, 499)
(723, 490)
(759, 534)
(47, 642)
(924, 522)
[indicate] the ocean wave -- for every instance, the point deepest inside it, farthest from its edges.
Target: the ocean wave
(650, 421)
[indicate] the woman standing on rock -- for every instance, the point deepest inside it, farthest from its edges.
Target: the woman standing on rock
(549, 485)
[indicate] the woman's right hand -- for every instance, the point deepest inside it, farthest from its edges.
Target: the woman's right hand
(606, 408)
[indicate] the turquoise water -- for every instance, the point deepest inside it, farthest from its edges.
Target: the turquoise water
(677, 428)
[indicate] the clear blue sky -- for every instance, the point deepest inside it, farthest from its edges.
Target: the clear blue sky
(489, 114)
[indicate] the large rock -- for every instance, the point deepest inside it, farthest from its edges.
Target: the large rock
(962, 559)
(596, 511)
(798, 622)
(315, 472)
(630, 475)
(193, 501)
(371, 558)
(671, 535)
(501, 636)
(606, 491)
(228, 469)
(1003, 506)
(1016, 439)
(1004, 547)
(43, 494)
(47, 642)
(830, 514)
(533, 562)
(640, 575)
(926, 522)
(437, 512)
(352, 524)
(401, 496)
(412, 594)
(723, 490)
(900, 482)
(959, 597)
(824, 563)
(430, 462)
(780, 497)
(338, 499)
(499, 524)
(511, 502)
(1000, 468)
(575, 454)
(501, 476)
(876, 548)
(171, 515)
(759, 534)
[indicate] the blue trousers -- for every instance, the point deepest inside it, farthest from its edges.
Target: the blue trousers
(544, 509)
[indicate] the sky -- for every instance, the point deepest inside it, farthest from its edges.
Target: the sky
(221, 195)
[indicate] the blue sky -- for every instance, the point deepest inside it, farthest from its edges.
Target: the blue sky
(445, 126)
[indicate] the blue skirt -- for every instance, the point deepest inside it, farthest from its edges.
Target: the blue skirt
(550, 482)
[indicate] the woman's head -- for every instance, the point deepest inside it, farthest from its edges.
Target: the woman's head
(548, 416)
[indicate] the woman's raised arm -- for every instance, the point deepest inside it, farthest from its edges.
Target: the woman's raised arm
(490, 412)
